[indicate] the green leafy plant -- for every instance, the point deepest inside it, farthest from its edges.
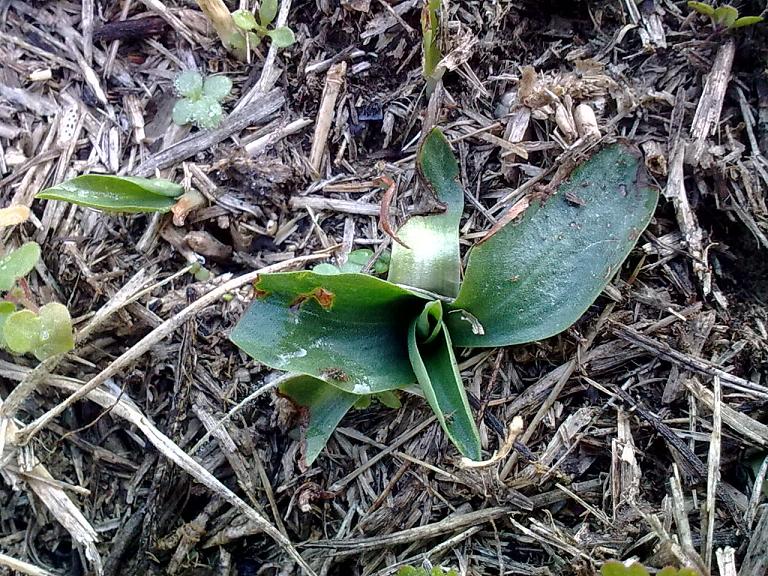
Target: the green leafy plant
(434, 571)
(430, 32)
(116, 193)
(725, 16)
(615, 568)
(201, 102)
(44, 332)
(350, 335)
(252, 30)
(356, 261)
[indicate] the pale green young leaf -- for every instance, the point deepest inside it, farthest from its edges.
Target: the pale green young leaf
(725, 15)
(244, 19)
(22, 331)
(189, 83)
(17, 264)
(208, 113)
(217, 87)
(282, 36)
(6, 309)
(56, 335)
(116, 193)
(326, 269)
(184, 111)
(267, 11)
(747, 21)
(702, 8)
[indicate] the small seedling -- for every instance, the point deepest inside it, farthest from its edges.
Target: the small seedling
(434, 571)
(349, 335)
(44, 332)
(201, 102)
(252, 30)
(356, 261)
(725, 17)
(616, 568)
(430, 30)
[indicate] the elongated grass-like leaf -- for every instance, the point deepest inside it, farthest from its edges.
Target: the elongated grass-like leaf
(324, 406)
(431, 354)
(347, 329)
(536, 277)
(116, 193)
(431, 261)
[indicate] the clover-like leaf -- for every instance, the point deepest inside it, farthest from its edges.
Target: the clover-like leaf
(116, 193)
(702, 8)
(324, 406)
(431, 353)
(725, 15)
(56, 334)
(347, 329)
(18, 263)
(189, 83)
(184, 111)
(244, 19)
(747, 21)
(534, 278)
(282, 36)
(267, 11)
(431, 260)
(22, 331)
(217, 87)
(208, 113)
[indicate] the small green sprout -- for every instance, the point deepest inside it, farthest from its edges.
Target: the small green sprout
(616, 568)
(356, 261)
(253, 30)
(725, 16)
(44, 332)
(201, 102)
(429, 571)
(430, 30)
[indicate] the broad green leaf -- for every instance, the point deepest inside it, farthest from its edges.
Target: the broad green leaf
(267, 11)
(747, 21)
(217, 87)
(116, 193)
(244, 19)
(533, 279)
(189, 84)
(18, 263)
(347, 329)
(22, 331)
(184, 111)
(702, 8)
(726, 15)
(431, 261)
(325, 406)
(282, 36)
(208, 113)
(431, 354)
(56, 335)
(6, 309)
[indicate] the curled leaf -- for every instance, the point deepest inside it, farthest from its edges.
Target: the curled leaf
(116, 193)
(747, 21)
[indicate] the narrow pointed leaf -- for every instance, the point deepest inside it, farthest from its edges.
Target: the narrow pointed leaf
(324, 405)
(431, 261)
(116, 193)
(747, 21)
(18, 263)
(534, 278)
(702, 8)
(348, 329)
(431, 354)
